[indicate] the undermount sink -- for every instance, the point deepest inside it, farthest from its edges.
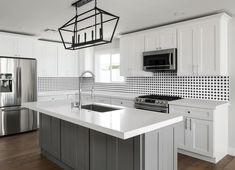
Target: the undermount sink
(99, 108)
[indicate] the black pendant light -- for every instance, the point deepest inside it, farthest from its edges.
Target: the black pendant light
(91, 28)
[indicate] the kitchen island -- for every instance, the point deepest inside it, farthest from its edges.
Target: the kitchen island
(123, 139)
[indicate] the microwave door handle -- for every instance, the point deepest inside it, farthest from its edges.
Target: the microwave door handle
(170, 62)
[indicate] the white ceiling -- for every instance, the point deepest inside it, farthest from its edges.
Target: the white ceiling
(33, 16)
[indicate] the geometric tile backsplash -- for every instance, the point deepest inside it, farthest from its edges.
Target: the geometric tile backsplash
(57, 83)
(198, 87)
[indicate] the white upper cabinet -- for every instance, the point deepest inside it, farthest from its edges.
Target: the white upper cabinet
(151, 41)
(160, 39)
(68, 62)
(131, 53)
(86, 60)
(25, 47)
(7, 46)
(202, 47)
(124, 56)
(46, 54)
(187, 41)
(16, 46)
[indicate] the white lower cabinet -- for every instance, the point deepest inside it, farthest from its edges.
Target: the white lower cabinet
(203, 133)
(196, 135)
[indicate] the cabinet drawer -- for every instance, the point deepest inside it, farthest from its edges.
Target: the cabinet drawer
(192, 112)
(124, 103)
(104, 100)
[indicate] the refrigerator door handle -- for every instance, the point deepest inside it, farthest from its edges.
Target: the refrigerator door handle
(18, 83)
(14, 109)
(3, 132)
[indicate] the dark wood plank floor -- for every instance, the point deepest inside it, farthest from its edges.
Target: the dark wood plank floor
(21, 152)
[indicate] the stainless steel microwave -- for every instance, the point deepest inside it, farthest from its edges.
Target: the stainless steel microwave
(160, 61)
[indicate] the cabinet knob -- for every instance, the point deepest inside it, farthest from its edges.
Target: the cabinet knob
(188, 112)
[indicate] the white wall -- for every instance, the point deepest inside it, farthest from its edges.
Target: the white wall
(232, 87)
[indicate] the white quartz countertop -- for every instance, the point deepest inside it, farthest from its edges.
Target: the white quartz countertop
(198, 103)
(124, 123)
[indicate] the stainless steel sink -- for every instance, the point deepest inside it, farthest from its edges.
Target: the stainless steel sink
(99, 108)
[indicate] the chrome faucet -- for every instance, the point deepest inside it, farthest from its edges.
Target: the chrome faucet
(79, 103)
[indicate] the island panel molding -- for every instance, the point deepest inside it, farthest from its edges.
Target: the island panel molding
(83, 148)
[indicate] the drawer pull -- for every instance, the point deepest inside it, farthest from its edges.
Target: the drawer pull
(188, 112)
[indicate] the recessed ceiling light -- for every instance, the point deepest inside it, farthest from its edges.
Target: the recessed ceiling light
(177, 14)
(50, 30)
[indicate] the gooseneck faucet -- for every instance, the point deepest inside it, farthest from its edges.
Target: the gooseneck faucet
(80, 86)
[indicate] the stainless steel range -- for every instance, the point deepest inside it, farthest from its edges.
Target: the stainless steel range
(156, 103)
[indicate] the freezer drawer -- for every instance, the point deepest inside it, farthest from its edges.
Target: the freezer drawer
(16, 119)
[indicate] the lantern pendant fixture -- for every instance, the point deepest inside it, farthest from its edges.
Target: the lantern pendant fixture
(91, 28)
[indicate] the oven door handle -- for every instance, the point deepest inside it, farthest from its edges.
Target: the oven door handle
(151, 108)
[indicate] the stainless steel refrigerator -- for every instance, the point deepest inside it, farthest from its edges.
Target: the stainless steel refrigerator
(18, 84)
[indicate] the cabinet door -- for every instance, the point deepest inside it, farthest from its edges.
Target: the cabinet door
(167, 39)
(8, 46)
(75, 146)
(181, 132)
(110, 153)
(68, 62)
(124, 56)
(208, 58)
(85, 60)
(187, 50)
(46, 54)
(25, 47)
(50, 135)
(151, 41)
(132, 48)
(202, 136)
(136, 55)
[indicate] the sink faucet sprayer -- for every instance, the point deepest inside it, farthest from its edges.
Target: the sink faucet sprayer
(79, 103)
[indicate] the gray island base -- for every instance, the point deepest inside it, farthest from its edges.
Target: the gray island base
(74, 147)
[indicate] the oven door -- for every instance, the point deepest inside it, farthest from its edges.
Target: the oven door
(152, 108)
(164, 60)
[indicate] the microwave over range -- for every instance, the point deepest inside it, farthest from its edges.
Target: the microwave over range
(160, 61)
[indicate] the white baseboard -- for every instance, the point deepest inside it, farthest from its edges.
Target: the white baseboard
(231, 151)
(194, 155)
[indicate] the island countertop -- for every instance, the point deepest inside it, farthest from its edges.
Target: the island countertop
(124, 123)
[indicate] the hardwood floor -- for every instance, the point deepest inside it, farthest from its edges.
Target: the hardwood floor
(21, 152)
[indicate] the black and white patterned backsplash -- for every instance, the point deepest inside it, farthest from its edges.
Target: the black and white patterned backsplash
(197, 87)
(57, 83)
